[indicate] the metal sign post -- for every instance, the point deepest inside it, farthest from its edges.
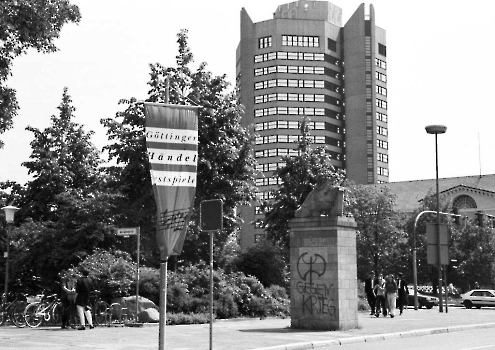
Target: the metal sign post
(211, 218)
(133, 231)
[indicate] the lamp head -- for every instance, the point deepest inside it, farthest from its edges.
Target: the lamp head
(9, 213)
(436, 129)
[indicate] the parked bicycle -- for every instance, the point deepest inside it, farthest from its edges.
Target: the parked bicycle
(48, 310)
(13, 310)
(100, 310)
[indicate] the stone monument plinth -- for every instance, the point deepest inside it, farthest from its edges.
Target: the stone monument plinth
(323, 269)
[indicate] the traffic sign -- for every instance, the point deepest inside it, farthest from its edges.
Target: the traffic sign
(211, 215)
(132, 231)
(432, 238)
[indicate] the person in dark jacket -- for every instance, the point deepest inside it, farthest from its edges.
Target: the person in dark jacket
(83, 288)
(369, 286)
(66, 295)
(402, 293)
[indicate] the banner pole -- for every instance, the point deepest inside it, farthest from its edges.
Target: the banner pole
(137, 275)
(163, 304)
(211, 290)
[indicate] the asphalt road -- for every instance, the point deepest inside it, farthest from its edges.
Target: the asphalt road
(270, 333)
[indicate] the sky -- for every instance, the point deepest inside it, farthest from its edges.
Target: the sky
(440, 70)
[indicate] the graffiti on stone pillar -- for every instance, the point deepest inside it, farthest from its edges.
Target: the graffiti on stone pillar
(316, 294)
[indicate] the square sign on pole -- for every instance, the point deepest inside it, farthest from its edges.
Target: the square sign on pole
(211, 215)
(432, 240)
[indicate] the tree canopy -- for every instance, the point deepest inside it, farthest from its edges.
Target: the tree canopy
(225, 162)
(27, 24)
(298, 177)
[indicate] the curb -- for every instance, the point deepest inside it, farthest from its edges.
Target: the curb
(377, 337)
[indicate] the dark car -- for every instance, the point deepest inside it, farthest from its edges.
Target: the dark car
(423, 300)
(478, 298)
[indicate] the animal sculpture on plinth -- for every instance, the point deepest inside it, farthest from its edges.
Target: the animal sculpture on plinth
(324, 199)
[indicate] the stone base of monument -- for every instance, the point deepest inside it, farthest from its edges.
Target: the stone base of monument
(323, 273)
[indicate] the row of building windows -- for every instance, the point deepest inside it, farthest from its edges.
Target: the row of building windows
(381, 103)
(297, 111)
(381, 90)
(381, 76)
(264, 140)
(380, 63)
(282, 152)
(293, 97)
(382, 144)
(381, 117)
(382, 131)
(381, 157)
(295, 83)
(277, 152)
(300, 40)
(382, 171)
(297, 70)
(302, 56)
(298, 83)
(263, 196)
(269, 166)
(286, 124)
(282, 124)
(289, 97)
(267, 181)
(290, 70)
(264, 42)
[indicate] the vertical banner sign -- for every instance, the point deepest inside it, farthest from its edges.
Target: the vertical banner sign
(172, 144)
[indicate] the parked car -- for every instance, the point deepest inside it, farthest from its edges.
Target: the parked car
(423, 300)
(478, 298)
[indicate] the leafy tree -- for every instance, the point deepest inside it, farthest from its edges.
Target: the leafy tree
(62, 160)
(474, 248)
(27, 24)
(382, 245)
(65, 205)
(298, 177)
(225, 166)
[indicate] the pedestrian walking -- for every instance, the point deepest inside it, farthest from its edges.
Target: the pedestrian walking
(379, 290)
(402, 291)
(369, 286)
(391, 292)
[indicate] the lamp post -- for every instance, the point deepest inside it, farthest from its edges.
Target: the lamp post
(9, 217)
(438, 129)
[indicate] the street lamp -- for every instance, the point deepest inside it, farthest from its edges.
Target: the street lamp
(9, 217)
(438, 129)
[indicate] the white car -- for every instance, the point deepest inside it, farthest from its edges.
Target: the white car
(479, 298)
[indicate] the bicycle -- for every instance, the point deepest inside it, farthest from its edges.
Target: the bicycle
(100, 310)
(13, 310)
(46, 310)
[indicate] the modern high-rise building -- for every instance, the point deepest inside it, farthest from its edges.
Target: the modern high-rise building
(303, 62)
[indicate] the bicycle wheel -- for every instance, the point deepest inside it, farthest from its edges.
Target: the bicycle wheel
(32, 315)
(57, 313)
(17, 314)
(101, 313)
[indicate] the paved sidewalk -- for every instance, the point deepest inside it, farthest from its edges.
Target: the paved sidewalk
(268, 334)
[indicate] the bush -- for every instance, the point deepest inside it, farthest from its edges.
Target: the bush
(112, 272)
(182, 318)
(188, 289)
(266, 262)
